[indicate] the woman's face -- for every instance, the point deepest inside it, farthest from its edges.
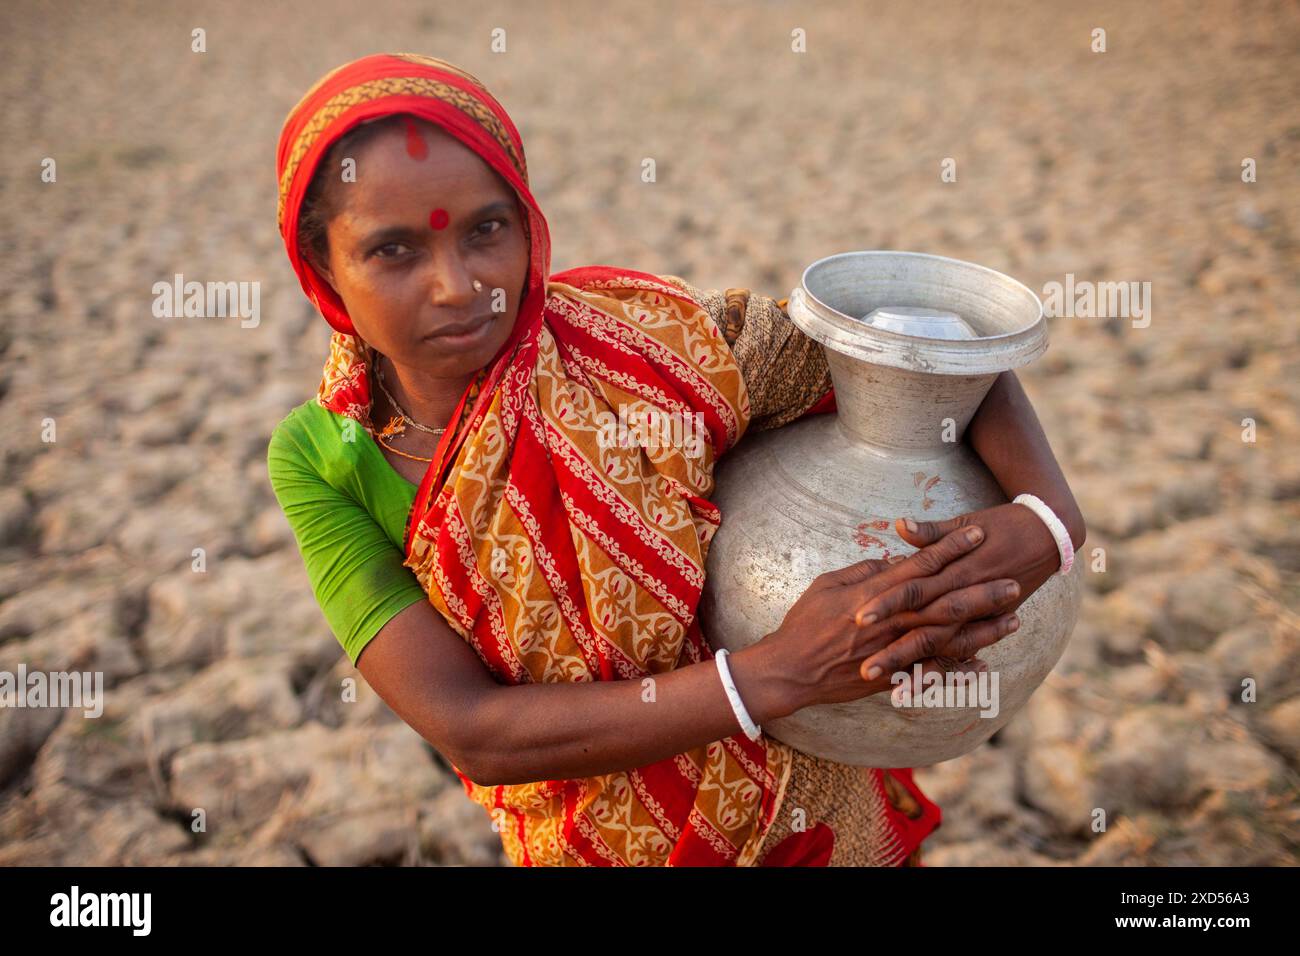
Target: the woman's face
(424, 219)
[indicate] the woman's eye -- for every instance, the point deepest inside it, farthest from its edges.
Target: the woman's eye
(488, 222)
(389, 250)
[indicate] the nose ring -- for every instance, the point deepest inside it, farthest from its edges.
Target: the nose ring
(478, 286)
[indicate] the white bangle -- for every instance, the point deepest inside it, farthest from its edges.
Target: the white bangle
(751, 729)
(1063, 543)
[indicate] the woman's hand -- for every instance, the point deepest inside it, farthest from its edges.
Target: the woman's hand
(817, 654)
(1019, 548)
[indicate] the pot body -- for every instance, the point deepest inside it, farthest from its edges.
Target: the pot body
(806, 499)
(824, 492)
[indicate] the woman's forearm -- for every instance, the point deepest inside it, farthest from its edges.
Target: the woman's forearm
(564, 730)
(1007, 436)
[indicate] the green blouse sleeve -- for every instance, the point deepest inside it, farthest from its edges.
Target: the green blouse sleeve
(356, 571)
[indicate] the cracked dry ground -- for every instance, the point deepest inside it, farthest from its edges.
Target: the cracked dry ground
(222, 687)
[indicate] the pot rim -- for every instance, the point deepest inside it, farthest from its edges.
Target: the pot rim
(850, 336)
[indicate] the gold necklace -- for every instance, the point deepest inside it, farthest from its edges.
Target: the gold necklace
(420, 426)
(379, 437)
(397, 425)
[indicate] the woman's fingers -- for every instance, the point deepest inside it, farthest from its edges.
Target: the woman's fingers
(977, 635)
(900, 586)
(927, 532)
(852, 574)
(934, 640)
(972, 603)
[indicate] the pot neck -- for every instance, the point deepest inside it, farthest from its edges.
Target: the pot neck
(921, 414)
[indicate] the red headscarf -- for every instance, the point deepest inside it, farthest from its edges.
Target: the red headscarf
(557, 555)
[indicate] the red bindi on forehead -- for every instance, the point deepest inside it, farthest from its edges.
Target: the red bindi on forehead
(416, 147)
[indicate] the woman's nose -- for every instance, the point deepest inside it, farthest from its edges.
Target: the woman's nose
(450, 281)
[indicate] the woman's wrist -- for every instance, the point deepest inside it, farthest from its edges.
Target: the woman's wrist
(1067, 510)
(1057, 529)
(751, 729)
(761, 690)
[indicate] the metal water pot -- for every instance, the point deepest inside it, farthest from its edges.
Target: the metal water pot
(914, 342)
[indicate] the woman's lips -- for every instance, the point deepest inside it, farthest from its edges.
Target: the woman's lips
(462, 334)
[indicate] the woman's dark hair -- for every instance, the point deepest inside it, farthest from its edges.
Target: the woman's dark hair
(317, 204)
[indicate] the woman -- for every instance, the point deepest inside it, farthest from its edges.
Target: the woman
(464, 523)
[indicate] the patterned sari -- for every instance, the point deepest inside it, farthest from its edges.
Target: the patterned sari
(558, 555)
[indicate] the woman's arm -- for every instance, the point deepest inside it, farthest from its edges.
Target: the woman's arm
(431, 678)
(493, 733)
(1005, 433)
(506, 734)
